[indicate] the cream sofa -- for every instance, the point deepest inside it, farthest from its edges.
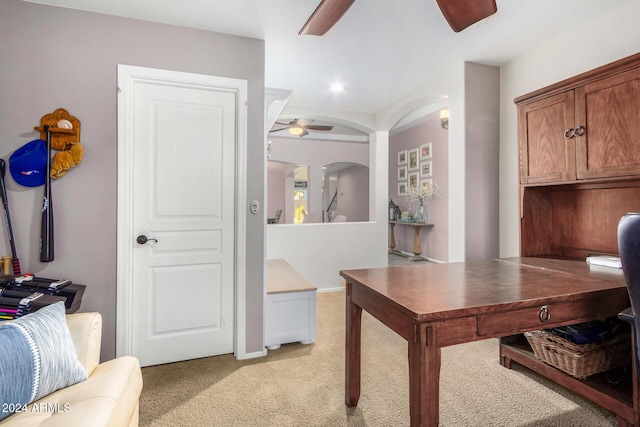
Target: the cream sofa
(109, 397)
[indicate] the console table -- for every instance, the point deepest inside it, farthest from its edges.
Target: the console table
(437, 305)
(417, 246)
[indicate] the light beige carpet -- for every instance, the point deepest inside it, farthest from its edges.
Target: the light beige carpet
(303, 385)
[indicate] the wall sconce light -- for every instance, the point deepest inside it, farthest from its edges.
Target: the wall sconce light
(444, 119)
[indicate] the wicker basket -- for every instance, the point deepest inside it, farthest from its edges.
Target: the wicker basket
(580, 360)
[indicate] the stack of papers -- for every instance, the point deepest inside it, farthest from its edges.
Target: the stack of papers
(604, 260)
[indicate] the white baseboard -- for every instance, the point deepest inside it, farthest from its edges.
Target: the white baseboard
(410, 254)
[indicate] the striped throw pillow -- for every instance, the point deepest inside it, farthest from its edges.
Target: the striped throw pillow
(37, 357)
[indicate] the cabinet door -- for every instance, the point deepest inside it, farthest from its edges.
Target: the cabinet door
(545, 154)
(609, 109)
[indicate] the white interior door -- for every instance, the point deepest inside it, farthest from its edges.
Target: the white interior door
(182, 187)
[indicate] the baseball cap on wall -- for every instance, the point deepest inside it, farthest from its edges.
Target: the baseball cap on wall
(28, 164)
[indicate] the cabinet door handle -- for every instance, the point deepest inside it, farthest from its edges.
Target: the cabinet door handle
(545, 314)
(579, 131)
(569, 133)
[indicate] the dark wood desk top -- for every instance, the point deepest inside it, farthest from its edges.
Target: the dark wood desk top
(431, 292)
(573, 266)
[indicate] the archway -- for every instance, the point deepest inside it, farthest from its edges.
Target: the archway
(419, 157)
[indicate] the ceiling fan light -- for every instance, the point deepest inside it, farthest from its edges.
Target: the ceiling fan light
(297, 131)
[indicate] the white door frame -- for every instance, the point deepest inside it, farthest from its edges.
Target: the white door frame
(127, 76)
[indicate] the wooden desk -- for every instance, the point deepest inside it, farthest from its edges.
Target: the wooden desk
(437, 305)
(417, 246)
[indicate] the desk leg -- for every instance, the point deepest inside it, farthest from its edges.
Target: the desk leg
(424, 378)
(352, 351)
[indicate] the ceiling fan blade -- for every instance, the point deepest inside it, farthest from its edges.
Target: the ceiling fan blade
(304, 122)
(325, 16)
(318, 127)
(462, 13)
(278, 130)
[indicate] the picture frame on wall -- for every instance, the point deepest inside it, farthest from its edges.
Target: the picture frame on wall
(402, 189)
(402, 157)
(413, 159)
(425, 151)
(402, 173)
(425, 169)
(426, 184)
(413, 180)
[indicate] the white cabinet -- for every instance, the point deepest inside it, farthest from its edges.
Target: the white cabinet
(290, 308)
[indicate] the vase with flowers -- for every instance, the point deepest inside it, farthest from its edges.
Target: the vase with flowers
(419, 196)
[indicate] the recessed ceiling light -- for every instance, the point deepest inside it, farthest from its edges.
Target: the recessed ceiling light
(337, 87)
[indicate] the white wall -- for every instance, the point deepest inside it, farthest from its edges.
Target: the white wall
(320, 251)
(611, 36)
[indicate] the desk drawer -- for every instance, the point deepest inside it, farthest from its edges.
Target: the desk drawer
(548, 315)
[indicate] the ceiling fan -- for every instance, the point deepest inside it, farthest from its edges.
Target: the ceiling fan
(299, 127)
(460, 14)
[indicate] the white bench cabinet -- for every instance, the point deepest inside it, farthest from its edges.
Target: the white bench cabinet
(290, 307)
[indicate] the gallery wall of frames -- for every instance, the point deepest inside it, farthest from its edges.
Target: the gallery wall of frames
(419, 156)
(415, 168)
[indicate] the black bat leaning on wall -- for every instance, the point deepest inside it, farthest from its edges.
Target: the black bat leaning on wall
(15, 262)
(46, 225)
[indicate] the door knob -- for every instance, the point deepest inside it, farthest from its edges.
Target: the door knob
(142, 239)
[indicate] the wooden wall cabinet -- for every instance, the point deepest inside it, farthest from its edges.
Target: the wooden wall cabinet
(610, 111)
(579, 144)
(584, 128)
(545, 154)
